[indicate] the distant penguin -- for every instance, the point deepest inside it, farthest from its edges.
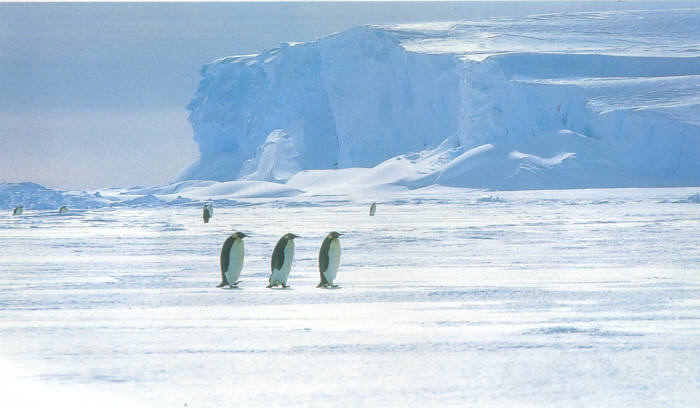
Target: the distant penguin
(210, 207)
(232, 260)
(281, 262)
(372, 209)
(63, 209)
(206, 214)
(329, 260)
(18, 210)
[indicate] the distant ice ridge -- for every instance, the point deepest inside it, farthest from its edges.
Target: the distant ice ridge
(33, 196)
(304, 189)
(553, 101)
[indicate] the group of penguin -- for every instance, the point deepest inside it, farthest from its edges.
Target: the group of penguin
(231, 259)
(20, 209)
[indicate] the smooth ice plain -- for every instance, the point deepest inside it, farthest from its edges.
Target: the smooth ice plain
(449, 297)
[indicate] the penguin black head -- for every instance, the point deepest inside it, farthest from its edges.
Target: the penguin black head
(334, 234)
(240, 235)
(290, 236)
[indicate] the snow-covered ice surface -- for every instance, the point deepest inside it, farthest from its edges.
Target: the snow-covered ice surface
(448, 297)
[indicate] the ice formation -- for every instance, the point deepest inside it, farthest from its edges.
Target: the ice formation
(33, 196)
(550, 101)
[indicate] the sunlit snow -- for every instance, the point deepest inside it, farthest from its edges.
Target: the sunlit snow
(447, 297)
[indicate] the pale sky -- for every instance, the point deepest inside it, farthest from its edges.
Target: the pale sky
(94, 95)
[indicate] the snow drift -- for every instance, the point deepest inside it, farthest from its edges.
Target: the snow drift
(555, 101)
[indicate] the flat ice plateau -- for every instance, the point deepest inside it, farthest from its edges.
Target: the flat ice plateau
(449, 297)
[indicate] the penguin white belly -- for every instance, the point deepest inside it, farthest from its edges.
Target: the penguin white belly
(333, 261)
(235, 263)
(279, 276)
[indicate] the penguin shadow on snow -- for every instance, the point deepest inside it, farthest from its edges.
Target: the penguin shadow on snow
(334, 287)
(235, 287)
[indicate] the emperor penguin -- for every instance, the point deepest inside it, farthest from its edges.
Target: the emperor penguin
(18, 210)
(210, 207)
(281, 262)
(206, 214)
(63, 209)
(372, 209)
(329, 260)
(232, 260)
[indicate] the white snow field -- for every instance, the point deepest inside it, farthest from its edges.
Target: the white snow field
(578, 100)
(449, 297)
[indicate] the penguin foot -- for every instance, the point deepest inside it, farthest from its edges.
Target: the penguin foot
(221, 285)
(269, 286)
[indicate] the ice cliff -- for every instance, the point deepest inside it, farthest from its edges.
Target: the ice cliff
(555, 101)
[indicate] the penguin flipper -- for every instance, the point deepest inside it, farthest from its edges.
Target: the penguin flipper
(277, 260)
(323, 260)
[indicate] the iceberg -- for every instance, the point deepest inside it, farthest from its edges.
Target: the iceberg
(579, 100)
